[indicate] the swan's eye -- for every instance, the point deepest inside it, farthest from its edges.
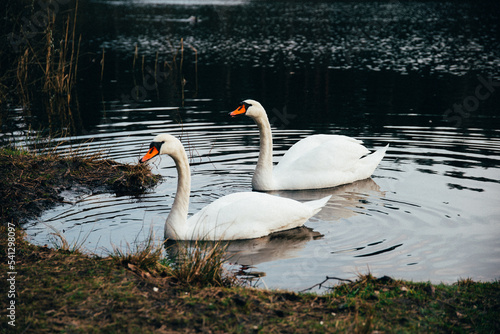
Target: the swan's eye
(156, 144)
(246, 105)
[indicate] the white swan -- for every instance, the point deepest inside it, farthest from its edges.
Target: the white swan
(318, 161)
(244, 215)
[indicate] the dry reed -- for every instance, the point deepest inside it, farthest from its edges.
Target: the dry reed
(45, 71)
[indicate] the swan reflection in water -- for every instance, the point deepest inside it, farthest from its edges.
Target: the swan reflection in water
(246, 254)
(345, 202)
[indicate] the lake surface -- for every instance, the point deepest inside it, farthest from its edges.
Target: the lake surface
(421, 77)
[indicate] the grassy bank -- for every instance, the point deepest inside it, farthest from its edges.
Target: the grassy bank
(59, 290)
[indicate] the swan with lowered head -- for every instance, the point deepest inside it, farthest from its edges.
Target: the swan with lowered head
(318, 161)
(243, 215)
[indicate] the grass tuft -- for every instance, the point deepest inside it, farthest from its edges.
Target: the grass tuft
(200, 263)
(146, 255)
(61, 243)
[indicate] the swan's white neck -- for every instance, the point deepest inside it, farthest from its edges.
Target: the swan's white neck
(263, 175)
(176, 220)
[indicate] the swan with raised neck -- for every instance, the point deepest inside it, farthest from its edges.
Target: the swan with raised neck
(318, 161)
(243, 215)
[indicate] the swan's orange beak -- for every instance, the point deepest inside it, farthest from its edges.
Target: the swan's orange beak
(240, 111)
(153, 152)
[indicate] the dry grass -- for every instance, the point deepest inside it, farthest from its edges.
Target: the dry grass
(42, 73)
(146, 255)
(200, 263)
(59, 291)
(61, 243)
(69, 292)
(188, 263)
(31, 183)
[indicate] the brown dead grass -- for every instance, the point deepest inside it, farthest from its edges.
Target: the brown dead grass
(31, 183)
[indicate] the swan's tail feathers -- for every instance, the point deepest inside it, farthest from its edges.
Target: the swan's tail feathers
(375, 158)
(318, 204)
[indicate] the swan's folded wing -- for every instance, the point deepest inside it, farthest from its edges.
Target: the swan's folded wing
(248, 215)
(323, 151)
(321, 161)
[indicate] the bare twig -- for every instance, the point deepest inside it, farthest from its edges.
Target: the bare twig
(324, 281)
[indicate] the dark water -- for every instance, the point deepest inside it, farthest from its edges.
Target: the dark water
(421, 76)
